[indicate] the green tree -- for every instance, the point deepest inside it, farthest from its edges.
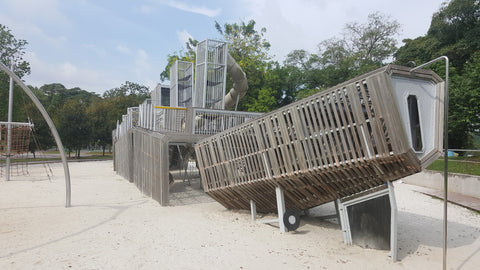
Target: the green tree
(119, 106)
(41, 138)
(120, 98)
(73, 125)
(304, 71)
(454, 32)
(456, 26)
(372, 43)
(11, 53)
(464, 111)
(56, 94)
(188, 56)
(140, 92)
(419, 50)
(283, 82)
(278, 89)
(102, 122)
(265, 102)
(250, 49)
(362, 48)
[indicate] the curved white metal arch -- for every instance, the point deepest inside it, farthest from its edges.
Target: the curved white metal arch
(50, 124)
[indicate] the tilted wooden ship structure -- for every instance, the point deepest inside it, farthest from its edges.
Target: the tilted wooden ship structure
(345, 144)
(345, 140)
(356, 136)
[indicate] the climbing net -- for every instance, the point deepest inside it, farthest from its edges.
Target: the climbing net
(14, 143)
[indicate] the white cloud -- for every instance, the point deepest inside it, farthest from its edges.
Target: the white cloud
(94, 48)
(143, 69)
(142, 66)
(142, 54)
(123, 49)
(183, 36)
(56, 41)
(151, 84)
(202, 10)
(145, 9)
(66, 73)
(34, 10)
(67, 70)
(296, 24)
(30, 19)
(302, 24)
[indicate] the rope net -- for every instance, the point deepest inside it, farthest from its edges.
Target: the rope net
(20, 139)
(18, 152)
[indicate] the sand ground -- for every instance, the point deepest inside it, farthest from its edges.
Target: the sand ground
(111, 225)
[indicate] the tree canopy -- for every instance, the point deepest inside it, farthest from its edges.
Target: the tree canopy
(12, 51)
(455, 32)
(362, 46)
(359, 49)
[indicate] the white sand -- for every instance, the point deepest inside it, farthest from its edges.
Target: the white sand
(111, 225)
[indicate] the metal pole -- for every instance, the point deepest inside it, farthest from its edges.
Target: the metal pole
(9, 125)
(280, 208)
(445, 144)
(236, 103)
(393, 222)
(50, 124)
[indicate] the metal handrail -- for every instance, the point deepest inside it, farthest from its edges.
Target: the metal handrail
(445, 144)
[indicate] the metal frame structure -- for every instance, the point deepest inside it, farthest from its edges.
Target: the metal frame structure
(343, 205)
(445, 151)
(181, 84)
(210, 74)
(141, 140)
(151, 116)
(161, 95)
(280, 210)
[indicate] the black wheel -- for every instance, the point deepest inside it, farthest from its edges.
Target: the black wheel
(291, 219)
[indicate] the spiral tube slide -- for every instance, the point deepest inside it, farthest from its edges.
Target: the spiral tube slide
(240, 83)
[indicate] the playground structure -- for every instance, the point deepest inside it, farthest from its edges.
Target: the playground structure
(162, 130)
(344, 145)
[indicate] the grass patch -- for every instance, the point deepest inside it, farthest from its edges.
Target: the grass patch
(475, 212)
(29, 160)
(99, 153)
(100, 156)
(457, 165)
(89, 157)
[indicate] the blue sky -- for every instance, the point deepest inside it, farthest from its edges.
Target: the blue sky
(98, 45)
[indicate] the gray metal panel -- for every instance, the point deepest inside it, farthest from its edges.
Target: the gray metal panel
(210, 74)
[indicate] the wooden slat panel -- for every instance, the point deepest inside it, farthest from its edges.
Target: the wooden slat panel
(333, 144)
